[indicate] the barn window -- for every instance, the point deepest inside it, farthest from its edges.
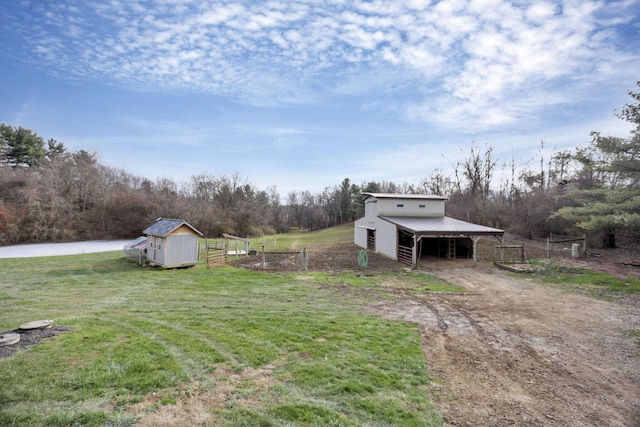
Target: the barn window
(400, 205)
(422, 206)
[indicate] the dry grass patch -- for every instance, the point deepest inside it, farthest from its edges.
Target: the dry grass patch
(197, 404)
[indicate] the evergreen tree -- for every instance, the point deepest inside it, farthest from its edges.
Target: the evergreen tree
(20, 146)
(606, 199)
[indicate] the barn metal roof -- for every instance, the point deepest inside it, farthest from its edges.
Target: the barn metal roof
(163, 227)
(404, 196)
(438, 226)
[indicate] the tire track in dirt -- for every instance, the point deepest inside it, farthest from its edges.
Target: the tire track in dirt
(513, 352)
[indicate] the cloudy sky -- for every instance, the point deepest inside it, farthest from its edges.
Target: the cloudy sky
(303, 93)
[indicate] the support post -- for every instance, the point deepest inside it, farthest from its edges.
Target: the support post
(414, 260)
(475, 239)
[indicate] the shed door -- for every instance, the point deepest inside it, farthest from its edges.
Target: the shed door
(151, 248)
(155, 248)
(159, 247)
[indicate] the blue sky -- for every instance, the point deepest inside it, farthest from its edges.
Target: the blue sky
(301, 94)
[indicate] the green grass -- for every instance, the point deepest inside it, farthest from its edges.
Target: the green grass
(594, 283)
(388, 284)
(141, 334)
(302, 239)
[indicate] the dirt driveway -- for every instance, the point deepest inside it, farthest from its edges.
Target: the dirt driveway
(512, 352)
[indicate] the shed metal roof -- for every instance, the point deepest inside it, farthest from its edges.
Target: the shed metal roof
(438, 226)
(139, 243)
(163, 227)
(404, 196)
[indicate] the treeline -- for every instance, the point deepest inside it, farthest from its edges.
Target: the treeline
(50, 194)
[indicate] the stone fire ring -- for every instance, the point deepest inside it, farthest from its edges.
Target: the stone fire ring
(36, 324)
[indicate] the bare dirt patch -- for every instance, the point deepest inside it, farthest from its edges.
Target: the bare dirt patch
(195, 403)
(328, 257)
(30, 338)
(513, 352)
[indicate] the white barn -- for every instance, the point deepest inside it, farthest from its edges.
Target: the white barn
(406, 227)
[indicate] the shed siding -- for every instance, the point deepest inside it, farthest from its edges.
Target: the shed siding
(180, 250)
(172, 243)
(182, 230)
(160, 246)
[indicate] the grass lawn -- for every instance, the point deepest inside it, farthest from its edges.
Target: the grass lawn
(593, 283)
(221, 346)
(301, 239)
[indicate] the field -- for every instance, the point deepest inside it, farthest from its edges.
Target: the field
(142, 346)
(333, 345)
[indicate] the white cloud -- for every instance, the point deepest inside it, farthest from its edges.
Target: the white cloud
(541, 11)
(487, 61)
(220, 14)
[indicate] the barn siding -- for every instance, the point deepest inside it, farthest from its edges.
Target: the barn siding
(410, 207)
(387, 239)
(360, 232)
(370, 210)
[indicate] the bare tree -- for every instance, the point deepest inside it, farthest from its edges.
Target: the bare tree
(436, 183)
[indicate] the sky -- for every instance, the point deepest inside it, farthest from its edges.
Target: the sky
(300, 94)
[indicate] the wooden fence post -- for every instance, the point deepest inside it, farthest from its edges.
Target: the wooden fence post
(549, 245)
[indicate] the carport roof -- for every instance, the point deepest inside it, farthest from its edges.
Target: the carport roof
(440, 226)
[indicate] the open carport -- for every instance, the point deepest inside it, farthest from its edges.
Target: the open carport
(441, 237)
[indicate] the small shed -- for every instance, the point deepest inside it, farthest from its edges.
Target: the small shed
(136, 250)
(172, 243)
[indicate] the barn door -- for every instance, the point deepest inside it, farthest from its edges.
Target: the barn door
(405, 247)
(371, 240)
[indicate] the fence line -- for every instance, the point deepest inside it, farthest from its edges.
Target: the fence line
(405, 255)
(553, 239)
(303, 256)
